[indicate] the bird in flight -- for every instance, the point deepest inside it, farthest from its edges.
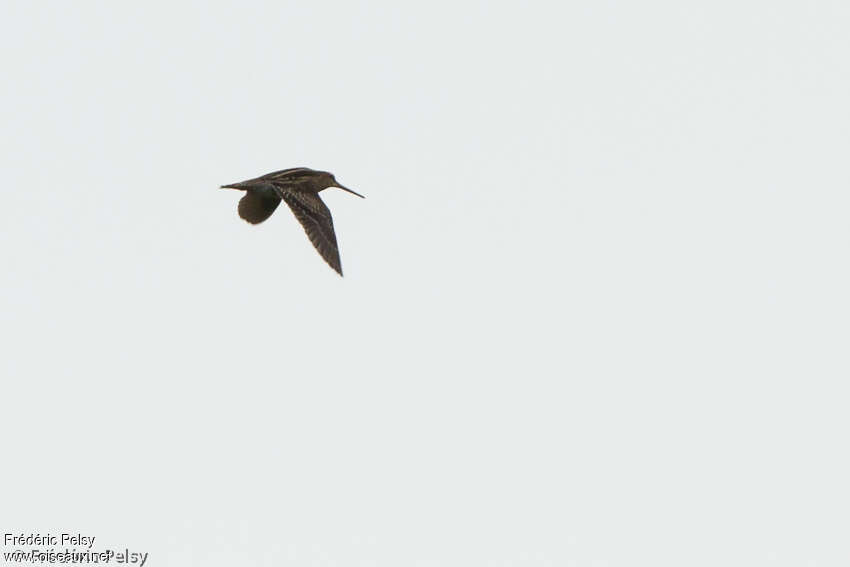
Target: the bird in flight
(299, 187)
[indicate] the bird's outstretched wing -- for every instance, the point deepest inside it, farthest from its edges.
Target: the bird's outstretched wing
(256, 208)
(316, 219)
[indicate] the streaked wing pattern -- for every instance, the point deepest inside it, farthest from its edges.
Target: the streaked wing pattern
(316, 219)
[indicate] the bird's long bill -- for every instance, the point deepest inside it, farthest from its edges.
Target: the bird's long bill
(350, 191)
(234, 186)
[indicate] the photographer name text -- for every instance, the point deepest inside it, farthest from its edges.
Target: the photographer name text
(43, 540)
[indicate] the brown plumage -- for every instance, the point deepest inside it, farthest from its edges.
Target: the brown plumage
(255, 208)
(299, 187)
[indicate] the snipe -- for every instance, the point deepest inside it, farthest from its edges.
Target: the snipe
(299, 187)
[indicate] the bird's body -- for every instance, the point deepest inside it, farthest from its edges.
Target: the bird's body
(299, 187)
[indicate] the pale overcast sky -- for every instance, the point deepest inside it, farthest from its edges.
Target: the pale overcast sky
(595, 306)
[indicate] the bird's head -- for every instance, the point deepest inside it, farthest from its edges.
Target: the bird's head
(326, 179)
